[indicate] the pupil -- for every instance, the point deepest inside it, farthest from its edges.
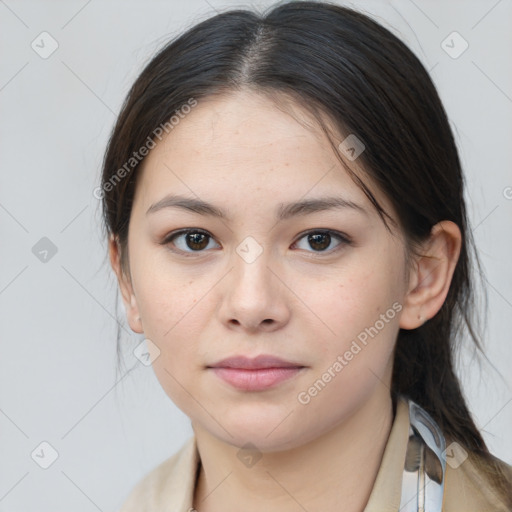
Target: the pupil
(314, 239)
(196, 239)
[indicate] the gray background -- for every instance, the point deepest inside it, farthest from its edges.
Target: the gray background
(58, 381)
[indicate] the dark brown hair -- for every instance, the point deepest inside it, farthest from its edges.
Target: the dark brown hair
(338, 63)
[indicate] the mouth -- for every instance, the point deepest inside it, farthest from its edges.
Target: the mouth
(256, 374)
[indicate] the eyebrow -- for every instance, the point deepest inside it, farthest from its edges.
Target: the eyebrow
(284, 211)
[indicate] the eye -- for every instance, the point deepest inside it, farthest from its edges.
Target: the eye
(194, 239)
(320, 240)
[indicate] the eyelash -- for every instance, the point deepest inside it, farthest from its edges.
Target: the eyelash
(343, 239)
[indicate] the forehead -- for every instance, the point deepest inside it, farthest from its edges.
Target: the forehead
(233, 127)
(243, 144)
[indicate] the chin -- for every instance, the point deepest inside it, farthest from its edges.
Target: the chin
(264, 430)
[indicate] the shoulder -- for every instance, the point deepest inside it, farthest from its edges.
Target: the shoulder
(169, 483)
(466, 486)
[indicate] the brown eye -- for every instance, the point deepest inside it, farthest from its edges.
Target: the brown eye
(321, 240)
(189, 240)
(196, 241)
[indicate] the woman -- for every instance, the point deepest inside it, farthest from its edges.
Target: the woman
(284, 203)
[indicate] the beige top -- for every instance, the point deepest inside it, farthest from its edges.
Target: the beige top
(170, 486)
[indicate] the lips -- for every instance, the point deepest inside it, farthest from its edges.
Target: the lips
(256, 374)
(257, 363)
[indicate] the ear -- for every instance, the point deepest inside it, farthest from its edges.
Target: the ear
(431, 275)
(125, 286)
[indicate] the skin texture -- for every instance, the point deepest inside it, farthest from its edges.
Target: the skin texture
(294, 301)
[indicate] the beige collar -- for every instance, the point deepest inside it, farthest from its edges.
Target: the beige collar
(170, 486)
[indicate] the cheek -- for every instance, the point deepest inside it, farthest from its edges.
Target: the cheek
(165, 295)
(357, 358)
(355, 300)
(169, 306)
(171, 313)
(360, 311)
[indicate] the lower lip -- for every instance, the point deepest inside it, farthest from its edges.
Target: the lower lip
(255, 380)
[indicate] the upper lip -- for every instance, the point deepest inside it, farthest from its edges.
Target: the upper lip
(259, 362)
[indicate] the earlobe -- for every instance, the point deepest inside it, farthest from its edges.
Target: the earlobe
(125, 287)
(431, 275)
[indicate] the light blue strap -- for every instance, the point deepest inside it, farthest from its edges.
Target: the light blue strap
(425, 464)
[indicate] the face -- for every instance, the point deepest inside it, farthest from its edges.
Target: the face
(318, 288)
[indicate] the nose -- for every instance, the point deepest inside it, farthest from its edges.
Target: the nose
(255, 297)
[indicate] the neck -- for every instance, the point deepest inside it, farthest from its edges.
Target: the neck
(338, 467)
